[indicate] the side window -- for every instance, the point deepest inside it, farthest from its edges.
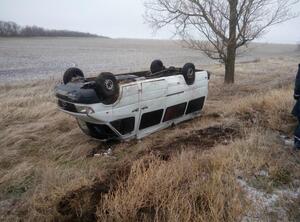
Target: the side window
(195, 105)
(174, 112)
(124, 126)
(151, 119)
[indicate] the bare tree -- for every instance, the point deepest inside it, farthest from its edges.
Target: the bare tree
(219, 27)
(8, 29)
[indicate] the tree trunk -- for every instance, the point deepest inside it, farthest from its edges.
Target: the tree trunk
(230, 66)
(231, 46)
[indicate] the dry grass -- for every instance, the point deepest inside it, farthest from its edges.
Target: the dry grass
(198, 186)
(269, 110)
(189, 187)
(45, 173)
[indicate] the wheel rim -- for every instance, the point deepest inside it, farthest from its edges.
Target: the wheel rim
(109, 84)
(190, 73)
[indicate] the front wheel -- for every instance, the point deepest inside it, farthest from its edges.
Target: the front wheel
(107, 87)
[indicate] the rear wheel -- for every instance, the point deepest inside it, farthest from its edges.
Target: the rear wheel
(72, 73)
(188, 72)
(156, 66)
(107, 87)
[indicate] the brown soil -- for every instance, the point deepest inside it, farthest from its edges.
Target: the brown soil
(85, 198)
(81, 204)
(201, 139)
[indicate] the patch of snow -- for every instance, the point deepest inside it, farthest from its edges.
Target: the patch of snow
(286, 140)
(265, 203)
(289, 193)
(259, 197)
(289, 142)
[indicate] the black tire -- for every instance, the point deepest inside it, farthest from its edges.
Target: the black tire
(72, 73)
(188, 72)
(107, 87)
(156, 66)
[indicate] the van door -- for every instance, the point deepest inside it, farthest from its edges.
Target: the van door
(126, 112)
(152, 105)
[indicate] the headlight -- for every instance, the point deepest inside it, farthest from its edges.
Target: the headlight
(85, 109)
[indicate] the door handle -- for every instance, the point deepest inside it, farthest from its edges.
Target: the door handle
(135, 110)
(145, 107)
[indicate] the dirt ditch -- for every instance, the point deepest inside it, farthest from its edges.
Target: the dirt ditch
(201, 139)
(80, 204)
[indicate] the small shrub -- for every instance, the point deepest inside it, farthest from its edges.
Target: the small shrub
(281, 176)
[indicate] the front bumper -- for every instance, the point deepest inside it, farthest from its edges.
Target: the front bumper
(78, 92)
(98, 129)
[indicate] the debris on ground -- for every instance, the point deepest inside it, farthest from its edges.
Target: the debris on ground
(262, 173)
(107, 153)
(97, 154)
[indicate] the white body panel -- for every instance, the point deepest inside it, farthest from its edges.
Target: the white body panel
(142, 98)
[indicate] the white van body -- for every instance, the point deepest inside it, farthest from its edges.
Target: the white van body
(146, 106)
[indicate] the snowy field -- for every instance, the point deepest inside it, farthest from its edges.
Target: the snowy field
(47, 58)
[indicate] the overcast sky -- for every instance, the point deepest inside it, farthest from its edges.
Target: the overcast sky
(113, 18)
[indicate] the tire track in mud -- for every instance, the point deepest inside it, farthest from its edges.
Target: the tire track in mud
(201, 139)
